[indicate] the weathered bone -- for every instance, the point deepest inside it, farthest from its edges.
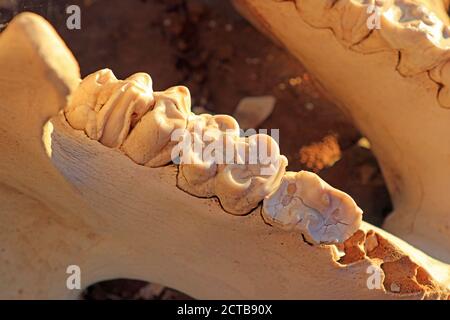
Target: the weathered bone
(79, 202)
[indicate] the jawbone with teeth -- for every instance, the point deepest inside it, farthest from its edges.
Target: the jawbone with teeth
(82, 201)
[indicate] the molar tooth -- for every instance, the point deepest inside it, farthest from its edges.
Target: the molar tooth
(149, 143)
(240, 187)
(322, 213)
(196, 173)
(105, 108)
(239, 184)
(136, 98)
(81, 109)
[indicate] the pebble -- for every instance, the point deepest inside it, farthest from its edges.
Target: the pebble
(252, 111)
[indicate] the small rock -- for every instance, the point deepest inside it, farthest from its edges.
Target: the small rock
(295, 81)
(395, 287)
(364, 143)
(212, 24)
(309, 106)
(252, 111)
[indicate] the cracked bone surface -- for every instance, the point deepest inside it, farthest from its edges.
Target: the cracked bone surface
(393, 83)
(68, 199)
(307, 203)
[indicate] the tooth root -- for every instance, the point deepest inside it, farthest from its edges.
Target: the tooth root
(149, 143)
(323, 214)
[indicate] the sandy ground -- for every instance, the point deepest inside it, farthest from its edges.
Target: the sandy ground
(207, 46)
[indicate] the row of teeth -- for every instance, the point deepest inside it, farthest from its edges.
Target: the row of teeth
(128, 115)
(418, 29)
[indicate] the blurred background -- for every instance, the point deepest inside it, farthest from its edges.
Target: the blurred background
(208, 47)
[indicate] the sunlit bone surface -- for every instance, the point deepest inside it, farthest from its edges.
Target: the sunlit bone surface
(80, 202)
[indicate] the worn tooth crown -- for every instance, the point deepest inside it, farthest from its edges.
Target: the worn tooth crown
(150, 143)
(197, 168)
(84, 103)
(228, 173)
(242, 185)
(306, 203)
(107, 108)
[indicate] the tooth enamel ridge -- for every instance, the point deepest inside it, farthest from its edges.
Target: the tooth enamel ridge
(107, 108)
(213, 159)
(149, 143)
(239, 183)
(306, 203)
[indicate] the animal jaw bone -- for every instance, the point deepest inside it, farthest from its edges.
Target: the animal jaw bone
(392, 83)
(129, 116)
(79, 202)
